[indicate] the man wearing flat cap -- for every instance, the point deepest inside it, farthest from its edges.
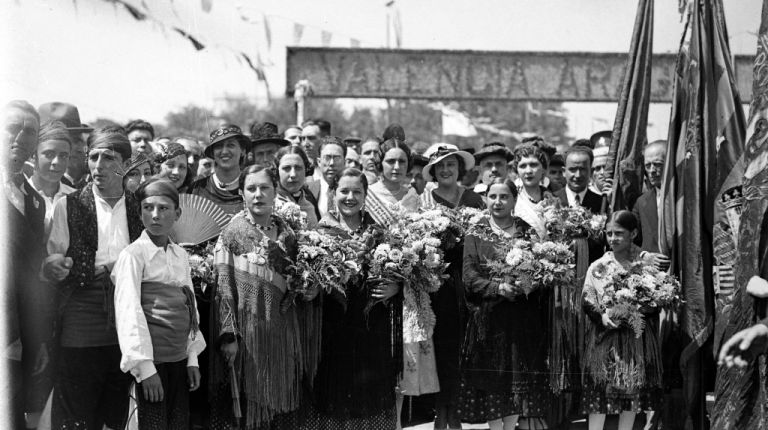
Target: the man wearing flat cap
(90, 228)
(265, 142)
(492, 161)
(227, 147)
(27, 330)
(77, 170)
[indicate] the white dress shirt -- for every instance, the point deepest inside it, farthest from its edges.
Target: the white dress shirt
(143, 261)
(572, 197)
(112, 224)
(322, 198)
(62, 192)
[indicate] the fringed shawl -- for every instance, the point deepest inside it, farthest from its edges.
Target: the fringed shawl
(253, 277)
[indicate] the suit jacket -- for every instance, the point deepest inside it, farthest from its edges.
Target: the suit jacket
(29, 314)
(646, 211)
(593, 202)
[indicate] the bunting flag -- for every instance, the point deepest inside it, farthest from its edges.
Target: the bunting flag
(326, 38)
(267, 31)
(298, 31)
(740, 394)
(196, 43)
(256, 68)
(207, 5)
(625, 155)
(704, 169)
(398, 26)
(354, 43)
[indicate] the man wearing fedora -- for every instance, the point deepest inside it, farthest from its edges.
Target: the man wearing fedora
(265, 142)
(492, 160)
(227, 147)
(67, 113)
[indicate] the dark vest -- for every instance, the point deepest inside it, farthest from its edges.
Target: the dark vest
(84, 235)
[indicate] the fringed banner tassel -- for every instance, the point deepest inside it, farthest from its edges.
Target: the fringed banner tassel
(189, 296)
(310, 318)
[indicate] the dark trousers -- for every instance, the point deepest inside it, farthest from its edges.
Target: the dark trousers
(90, 390)
(172, 413)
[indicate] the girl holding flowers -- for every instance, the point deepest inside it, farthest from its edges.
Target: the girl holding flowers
(621, 363)
(447, 166)
(504, 361)
(259, 373)
(293, 166)
(359, 365)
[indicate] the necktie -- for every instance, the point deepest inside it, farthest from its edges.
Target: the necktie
(329, 201)
(577, 198)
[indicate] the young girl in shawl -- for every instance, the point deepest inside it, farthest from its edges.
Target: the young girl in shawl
(359, 365)
(603, 334)
(530, 164)
(392, 190)
(504, 359)
(260, 371)
(156, 314)
(447, 166)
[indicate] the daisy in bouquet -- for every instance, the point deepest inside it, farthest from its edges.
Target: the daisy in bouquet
(630, 293)
(529, 265)
(451, 224)
(565, 223)
(324, 260)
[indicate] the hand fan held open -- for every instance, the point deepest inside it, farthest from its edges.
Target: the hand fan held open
(201, 220)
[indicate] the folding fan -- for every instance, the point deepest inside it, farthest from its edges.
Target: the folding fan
(201, 220)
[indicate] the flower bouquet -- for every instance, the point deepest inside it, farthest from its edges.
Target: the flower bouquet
(326, 261)
(532, 265)
(201, 265)
(291, 213)
(632, 292)
(565, 223)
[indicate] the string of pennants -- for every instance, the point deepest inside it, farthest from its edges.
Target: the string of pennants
(248, 56)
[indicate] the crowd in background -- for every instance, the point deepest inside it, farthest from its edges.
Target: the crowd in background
(102, 300)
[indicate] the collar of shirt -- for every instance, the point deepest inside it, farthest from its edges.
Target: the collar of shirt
(151, 250)
(572, 196)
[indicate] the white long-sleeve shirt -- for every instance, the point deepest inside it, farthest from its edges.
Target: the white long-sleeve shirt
(143, 261)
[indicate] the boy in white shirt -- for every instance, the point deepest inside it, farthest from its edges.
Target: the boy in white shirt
(156, 314)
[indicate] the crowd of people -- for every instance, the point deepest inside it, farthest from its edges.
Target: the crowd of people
(101, 298)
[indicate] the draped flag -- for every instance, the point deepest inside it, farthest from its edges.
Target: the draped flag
(740, 395)
(298, 31)
(702, 177)
(625, 155)
(267, 31)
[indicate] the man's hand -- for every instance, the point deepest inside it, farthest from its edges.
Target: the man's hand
(744, 346)
(384, 290)
(153, 389)
(42, 360)
(230, 352)
(193, 377)
(57, 267)
(758, 287)
(660, 261)
(607, 186)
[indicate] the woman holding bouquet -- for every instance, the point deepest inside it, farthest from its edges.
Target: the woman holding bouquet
(359, 366)
(504, 361)
(384, 201)
(447, 166)
(293, 167)
(622, 371)
(259, 373)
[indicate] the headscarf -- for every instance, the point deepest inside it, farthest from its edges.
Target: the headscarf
(158, 187)
(110, 138)
(168, 151)
(54, 130)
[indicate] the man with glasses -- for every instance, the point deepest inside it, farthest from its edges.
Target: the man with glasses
(332, 151)
(140, 134)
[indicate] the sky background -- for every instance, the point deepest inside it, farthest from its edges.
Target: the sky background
(95, 55)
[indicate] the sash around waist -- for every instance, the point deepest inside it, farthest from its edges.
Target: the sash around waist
(169, 313)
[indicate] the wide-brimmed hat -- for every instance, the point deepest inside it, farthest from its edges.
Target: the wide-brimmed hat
(64, 112)
(440, 151)
(225, 132)
(266, 132)
(494, 148)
